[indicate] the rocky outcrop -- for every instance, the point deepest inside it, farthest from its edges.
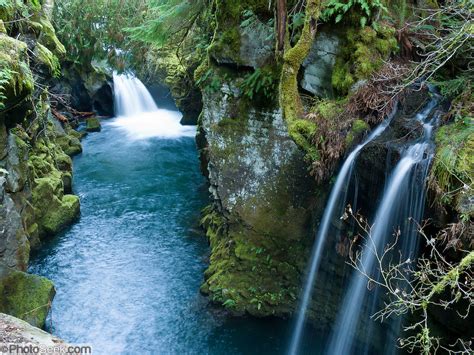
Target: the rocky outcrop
(90, 89)
(179, 79)
(14, 331)
(261, 212)
(25, 296)
(35, 163)
(319, 64)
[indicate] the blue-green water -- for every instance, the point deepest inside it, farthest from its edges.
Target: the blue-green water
(128, 272)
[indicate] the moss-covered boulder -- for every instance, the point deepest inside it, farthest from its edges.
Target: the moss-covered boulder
(60, 211)
(93, 125)
(25, 296)
(71, 145)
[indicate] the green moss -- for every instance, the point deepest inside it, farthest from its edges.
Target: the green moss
(453, 166)
(57, 219)
(26, 296)
(7, 10)
(359, 127)
(249, 272)
(362, 54)
(93, 125)
(328, 109)
(302, 132)
(61, 210)
(50, 167)
(48, 38)
(342, 78)
(70, 144)
(14, 64)
(48, 59)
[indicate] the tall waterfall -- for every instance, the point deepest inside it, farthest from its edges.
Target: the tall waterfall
(334, 208)
(401, 207)
(138, 114)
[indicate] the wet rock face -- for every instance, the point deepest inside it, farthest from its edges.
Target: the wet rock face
(262, 205)
(380, 156)
(319, 65)
(89, 91)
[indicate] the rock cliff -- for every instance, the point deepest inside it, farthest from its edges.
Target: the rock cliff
(35, 163)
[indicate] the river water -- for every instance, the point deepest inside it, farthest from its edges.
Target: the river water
(127, 274)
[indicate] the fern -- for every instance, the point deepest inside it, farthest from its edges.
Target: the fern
(453, 87)
(5, 78)
(337, 9)
(261, 81)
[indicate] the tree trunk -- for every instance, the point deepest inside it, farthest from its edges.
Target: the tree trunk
(293, 58)
(281, 24)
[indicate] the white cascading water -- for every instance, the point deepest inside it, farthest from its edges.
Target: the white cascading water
(139, 116)
(403, 199)
(335, 207)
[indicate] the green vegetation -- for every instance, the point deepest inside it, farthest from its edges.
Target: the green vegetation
(365, 10)
(261, 82)
(93, 31)
(362, 54)
(25, 296)
(451, 174)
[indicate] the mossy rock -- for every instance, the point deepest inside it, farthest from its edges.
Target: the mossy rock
(45, 57)
(453, 166)
(70, 145)
(93, 125)
(14, 68)
(54, 211)
(59, 218)
(25, 296)
(49, 39)
(362, 54)
(359, 128)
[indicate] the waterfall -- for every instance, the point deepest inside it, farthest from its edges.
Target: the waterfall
(334, 208)
(139, 116)
(402, 203)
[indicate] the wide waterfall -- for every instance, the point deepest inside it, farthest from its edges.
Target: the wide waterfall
(335, 207)
(138, 114)
(402, 206)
